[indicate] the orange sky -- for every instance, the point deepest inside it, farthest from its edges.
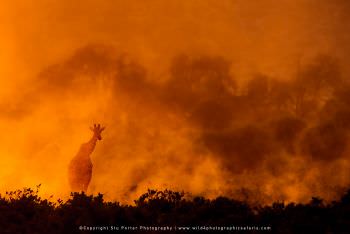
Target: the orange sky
(44, 128)
(40, 33)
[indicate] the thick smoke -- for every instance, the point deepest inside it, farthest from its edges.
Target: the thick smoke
(239, 99)
(198, 125)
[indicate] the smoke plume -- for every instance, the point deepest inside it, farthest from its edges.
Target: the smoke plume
(236, 98)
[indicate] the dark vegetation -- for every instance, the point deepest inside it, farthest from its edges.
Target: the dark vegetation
(23, 211)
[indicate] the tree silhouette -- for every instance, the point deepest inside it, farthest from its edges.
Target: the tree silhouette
(23, 211)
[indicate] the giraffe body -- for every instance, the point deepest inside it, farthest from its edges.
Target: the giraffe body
(80, 167)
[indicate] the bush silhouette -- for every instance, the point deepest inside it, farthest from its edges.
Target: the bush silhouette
(23, 211)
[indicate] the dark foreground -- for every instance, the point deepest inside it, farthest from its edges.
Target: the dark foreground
(23, 211)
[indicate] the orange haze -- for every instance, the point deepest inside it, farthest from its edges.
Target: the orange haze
(188, 91)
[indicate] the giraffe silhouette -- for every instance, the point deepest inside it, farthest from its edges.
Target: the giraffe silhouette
(80, 167)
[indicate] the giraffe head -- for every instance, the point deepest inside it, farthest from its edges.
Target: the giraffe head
(97, 129)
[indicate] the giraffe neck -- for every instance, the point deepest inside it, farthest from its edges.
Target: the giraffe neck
(91, 145)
